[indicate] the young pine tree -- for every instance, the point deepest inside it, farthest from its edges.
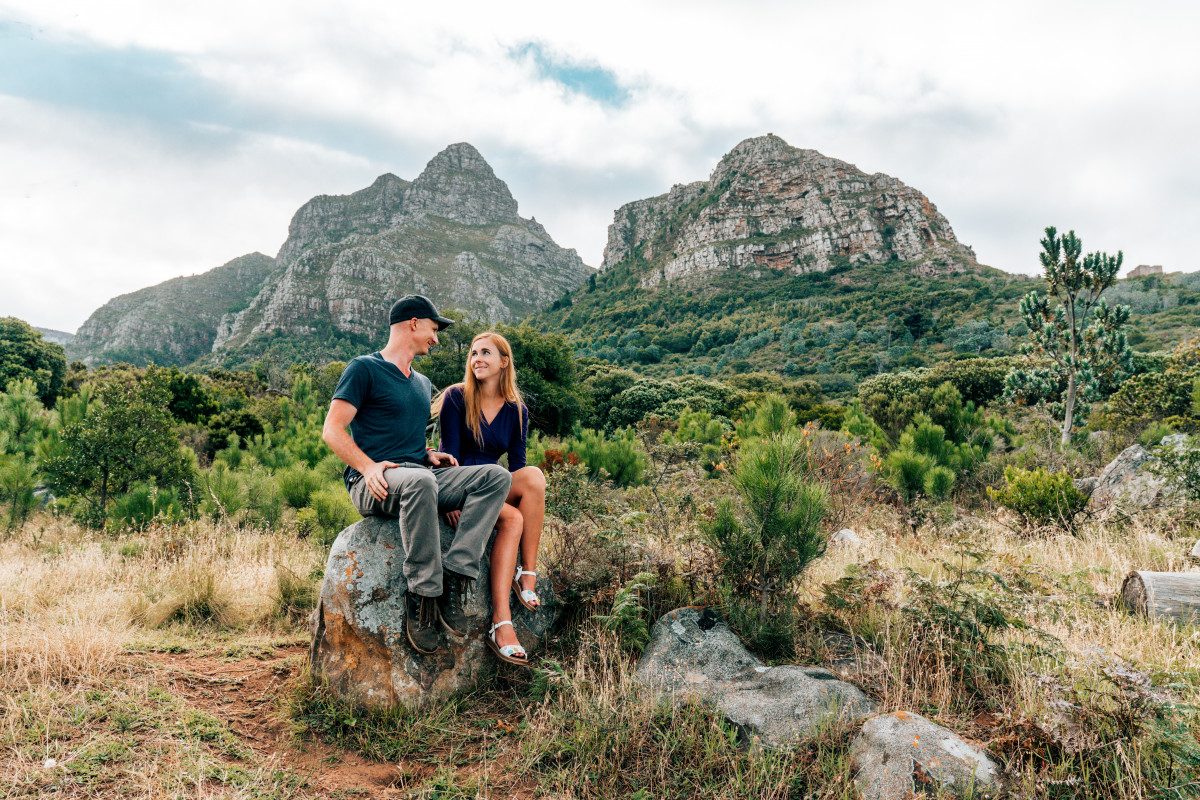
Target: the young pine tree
(768, 535)
(1076, 338)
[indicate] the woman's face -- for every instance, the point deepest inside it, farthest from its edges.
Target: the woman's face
(485, 360)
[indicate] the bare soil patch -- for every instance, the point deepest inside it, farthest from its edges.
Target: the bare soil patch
(246, 695)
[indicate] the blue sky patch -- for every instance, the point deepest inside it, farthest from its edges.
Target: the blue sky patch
(588, 79)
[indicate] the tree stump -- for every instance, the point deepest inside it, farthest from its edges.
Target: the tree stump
(1163, 595)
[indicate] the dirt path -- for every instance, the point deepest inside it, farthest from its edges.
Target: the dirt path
(245, 694)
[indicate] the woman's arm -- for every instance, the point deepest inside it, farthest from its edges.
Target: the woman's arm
(453, 422)
(516, 444)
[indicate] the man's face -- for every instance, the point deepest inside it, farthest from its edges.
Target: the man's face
(425, 336)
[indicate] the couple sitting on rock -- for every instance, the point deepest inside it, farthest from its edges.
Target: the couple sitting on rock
(386, 404)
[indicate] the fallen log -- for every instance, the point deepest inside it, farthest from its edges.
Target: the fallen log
(1163, 595)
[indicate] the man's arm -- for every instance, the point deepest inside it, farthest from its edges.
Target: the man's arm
(342, 444)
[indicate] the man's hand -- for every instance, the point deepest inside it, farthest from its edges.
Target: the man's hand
(377, 485)
(452, 517)
(437, 459)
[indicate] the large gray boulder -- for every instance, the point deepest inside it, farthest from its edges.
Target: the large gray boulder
(897, 756)
(1128, 483)
(692, 653)
(359, 644)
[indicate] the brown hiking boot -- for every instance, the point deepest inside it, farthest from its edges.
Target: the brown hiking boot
(420, 623)
(456, 590)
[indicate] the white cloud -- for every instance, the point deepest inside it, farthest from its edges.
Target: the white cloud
(1009, 117)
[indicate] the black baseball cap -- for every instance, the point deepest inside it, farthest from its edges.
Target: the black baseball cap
(416, 306)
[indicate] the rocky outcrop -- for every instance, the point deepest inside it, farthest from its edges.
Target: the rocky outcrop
(692, 653)
(452, 234)
(359, 644)
(771, 206)
(903, 755)
(1128, 483)
(174, 322)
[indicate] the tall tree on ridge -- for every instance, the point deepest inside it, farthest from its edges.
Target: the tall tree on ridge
(1076, 338)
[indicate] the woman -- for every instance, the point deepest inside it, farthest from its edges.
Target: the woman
(483, 418)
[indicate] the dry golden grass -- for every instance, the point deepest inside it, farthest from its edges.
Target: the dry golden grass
(78, 608)
(75, 604)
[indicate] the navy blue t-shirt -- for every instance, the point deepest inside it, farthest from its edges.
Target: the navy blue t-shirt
(504, 434)
(392, 410)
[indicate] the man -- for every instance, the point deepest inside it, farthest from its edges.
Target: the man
(389, 471)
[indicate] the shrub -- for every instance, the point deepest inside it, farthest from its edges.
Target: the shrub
(619, 457)
(769, 415)
(264, 501)
(926, 463)
(25, 354)
(334, 512)
(894, 398)
(1179, 464)
(627, 619)
(127, 436)
(307, 523)
(143, 504)
(222, 493)
(1041, 497)
(1154, 433)
(768, 536)
(701, 428)
(18, 480)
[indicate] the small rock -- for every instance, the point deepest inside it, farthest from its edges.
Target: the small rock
(359, 643)
(845, 536)
(693, 653)
(50, 763)
(1195, 550)
(1086, 485)
(898, 755)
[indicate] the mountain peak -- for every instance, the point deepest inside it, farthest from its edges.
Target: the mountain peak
(771, 206)
(459, 184)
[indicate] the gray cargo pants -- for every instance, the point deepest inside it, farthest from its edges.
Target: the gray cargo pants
(416, 495)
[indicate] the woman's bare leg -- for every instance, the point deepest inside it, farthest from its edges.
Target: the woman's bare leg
(503, 567)
(528, 494)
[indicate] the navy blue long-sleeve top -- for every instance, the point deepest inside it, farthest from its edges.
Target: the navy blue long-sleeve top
(504, 434)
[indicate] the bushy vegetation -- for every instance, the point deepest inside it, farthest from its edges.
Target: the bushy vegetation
(767, 537)
(1040, 497)
(718, 487)
(25, 355)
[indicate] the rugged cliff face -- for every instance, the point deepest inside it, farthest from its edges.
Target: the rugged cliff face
(174, 322)
(452, 234)
(772, 206)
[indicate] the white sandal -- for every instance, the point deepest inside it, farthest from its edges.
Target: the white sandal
(527, 597)
(511, 653)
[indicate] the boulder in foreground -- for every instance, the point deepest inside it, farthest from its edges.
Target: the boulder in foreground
(903, 755)
(359, 644)
(693, 653)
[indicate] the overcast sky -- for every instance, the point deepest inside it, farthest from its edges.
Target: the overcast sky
(144, 140)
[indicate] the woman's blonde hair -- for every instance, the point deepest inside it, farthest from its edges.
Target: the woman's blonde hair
(472, 392)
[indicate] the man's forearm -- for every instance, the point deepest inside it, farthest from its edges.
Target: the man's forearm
(342, 444)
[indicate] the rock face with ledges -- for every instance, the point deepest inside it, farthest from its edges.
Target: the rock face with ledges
(452, 234)
(174, 322)
(693, 653)
(359, 644)
(771, 206)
